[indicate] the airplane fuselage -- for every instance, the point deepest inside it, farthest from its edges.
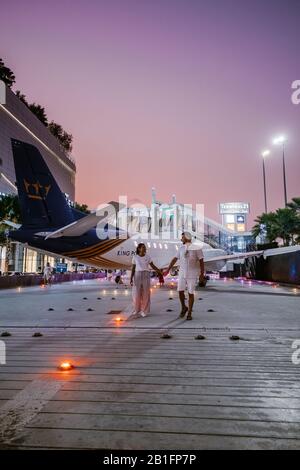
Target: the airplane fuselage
(110, 253)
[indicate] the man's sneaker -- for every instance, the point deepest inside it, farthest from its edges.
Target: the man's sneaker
(189, 316)
(183, 312)
(143, 314)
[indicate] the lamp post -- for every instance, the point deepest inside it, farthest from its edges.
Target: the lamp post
(281, 140)
(264, 154)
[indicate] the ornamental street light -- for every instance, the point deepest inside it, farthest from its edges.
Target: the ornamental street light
(265, 154)
(281, 140)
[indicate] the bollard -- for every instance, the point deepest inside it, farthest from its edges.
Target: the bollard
(200, 337)
(166, 336)
(234, 338)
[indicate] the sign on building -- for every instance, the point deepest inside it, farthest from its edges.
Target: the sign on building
(234, 208)
(61, 267)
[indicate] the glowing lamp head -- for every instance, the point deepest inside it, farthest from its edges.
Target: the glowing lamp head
(279, 140)
(265, 153)
(65, 366)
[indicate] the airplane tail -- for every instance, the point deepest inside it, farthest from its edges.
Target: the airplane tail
(42, 202)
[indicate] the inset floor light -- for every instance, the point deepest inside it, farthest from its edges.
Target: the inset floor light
(65, 366)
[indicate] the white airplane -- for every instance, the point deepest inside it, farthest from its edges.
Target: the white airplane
(51, 226)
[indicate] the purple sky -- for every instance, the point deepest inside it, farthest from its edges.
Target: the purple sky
(178, 94)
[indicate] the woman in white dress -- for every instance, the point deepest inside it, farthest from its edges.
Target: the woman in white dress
(140, 280)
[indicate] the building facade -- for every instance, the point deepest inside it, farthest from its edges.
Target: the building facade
(18, 122)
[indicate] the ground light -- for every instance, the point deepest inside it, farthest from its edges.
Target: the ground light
(65, 366)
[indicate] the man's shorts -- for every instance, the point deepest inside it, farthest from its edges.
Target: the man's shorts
(189, 283)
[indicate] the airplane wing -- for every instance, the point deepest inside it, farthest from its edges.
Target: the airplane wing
(81, 226)
(10, 224)
(235, 256)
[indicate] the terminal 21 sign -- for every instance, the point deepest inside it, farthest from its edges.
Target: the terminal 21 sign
(234, 208)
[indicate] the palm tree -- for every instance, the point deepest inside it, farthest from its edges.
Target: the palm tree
(10, 208)
(287, 225)
(295, 204)
(22, 97)
(6, 75)
(265, 225)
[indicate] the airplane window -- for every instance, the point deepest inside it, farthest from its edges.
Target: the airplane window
(166, 246)
(149, 245)
(154, 245)
(160, 246)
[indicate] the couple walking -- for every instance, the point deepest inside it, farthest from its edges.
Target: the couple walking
(191, 268)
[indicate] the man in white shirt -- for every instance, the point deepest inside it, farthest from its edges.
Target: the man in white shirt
(191, 267)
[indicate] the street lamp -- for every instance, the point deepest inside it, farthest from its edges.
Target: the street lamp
(281, 140)
(264, 154)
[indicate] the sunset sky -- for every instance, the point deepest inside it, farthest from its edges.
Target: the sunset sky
(182, 95)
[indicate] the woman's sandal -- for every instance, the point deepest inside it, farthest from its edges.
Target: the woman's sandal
(189, 316)
(183, 312)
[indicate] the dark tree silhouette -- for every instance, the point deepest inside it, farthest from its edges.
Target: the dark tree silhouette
(64, 138)
(39, 112)
(6, 75)
(81, 207)
(22, 97)
(295, 204)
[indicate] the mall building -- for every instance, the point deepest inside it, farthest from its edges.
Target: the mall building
(18, 122)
